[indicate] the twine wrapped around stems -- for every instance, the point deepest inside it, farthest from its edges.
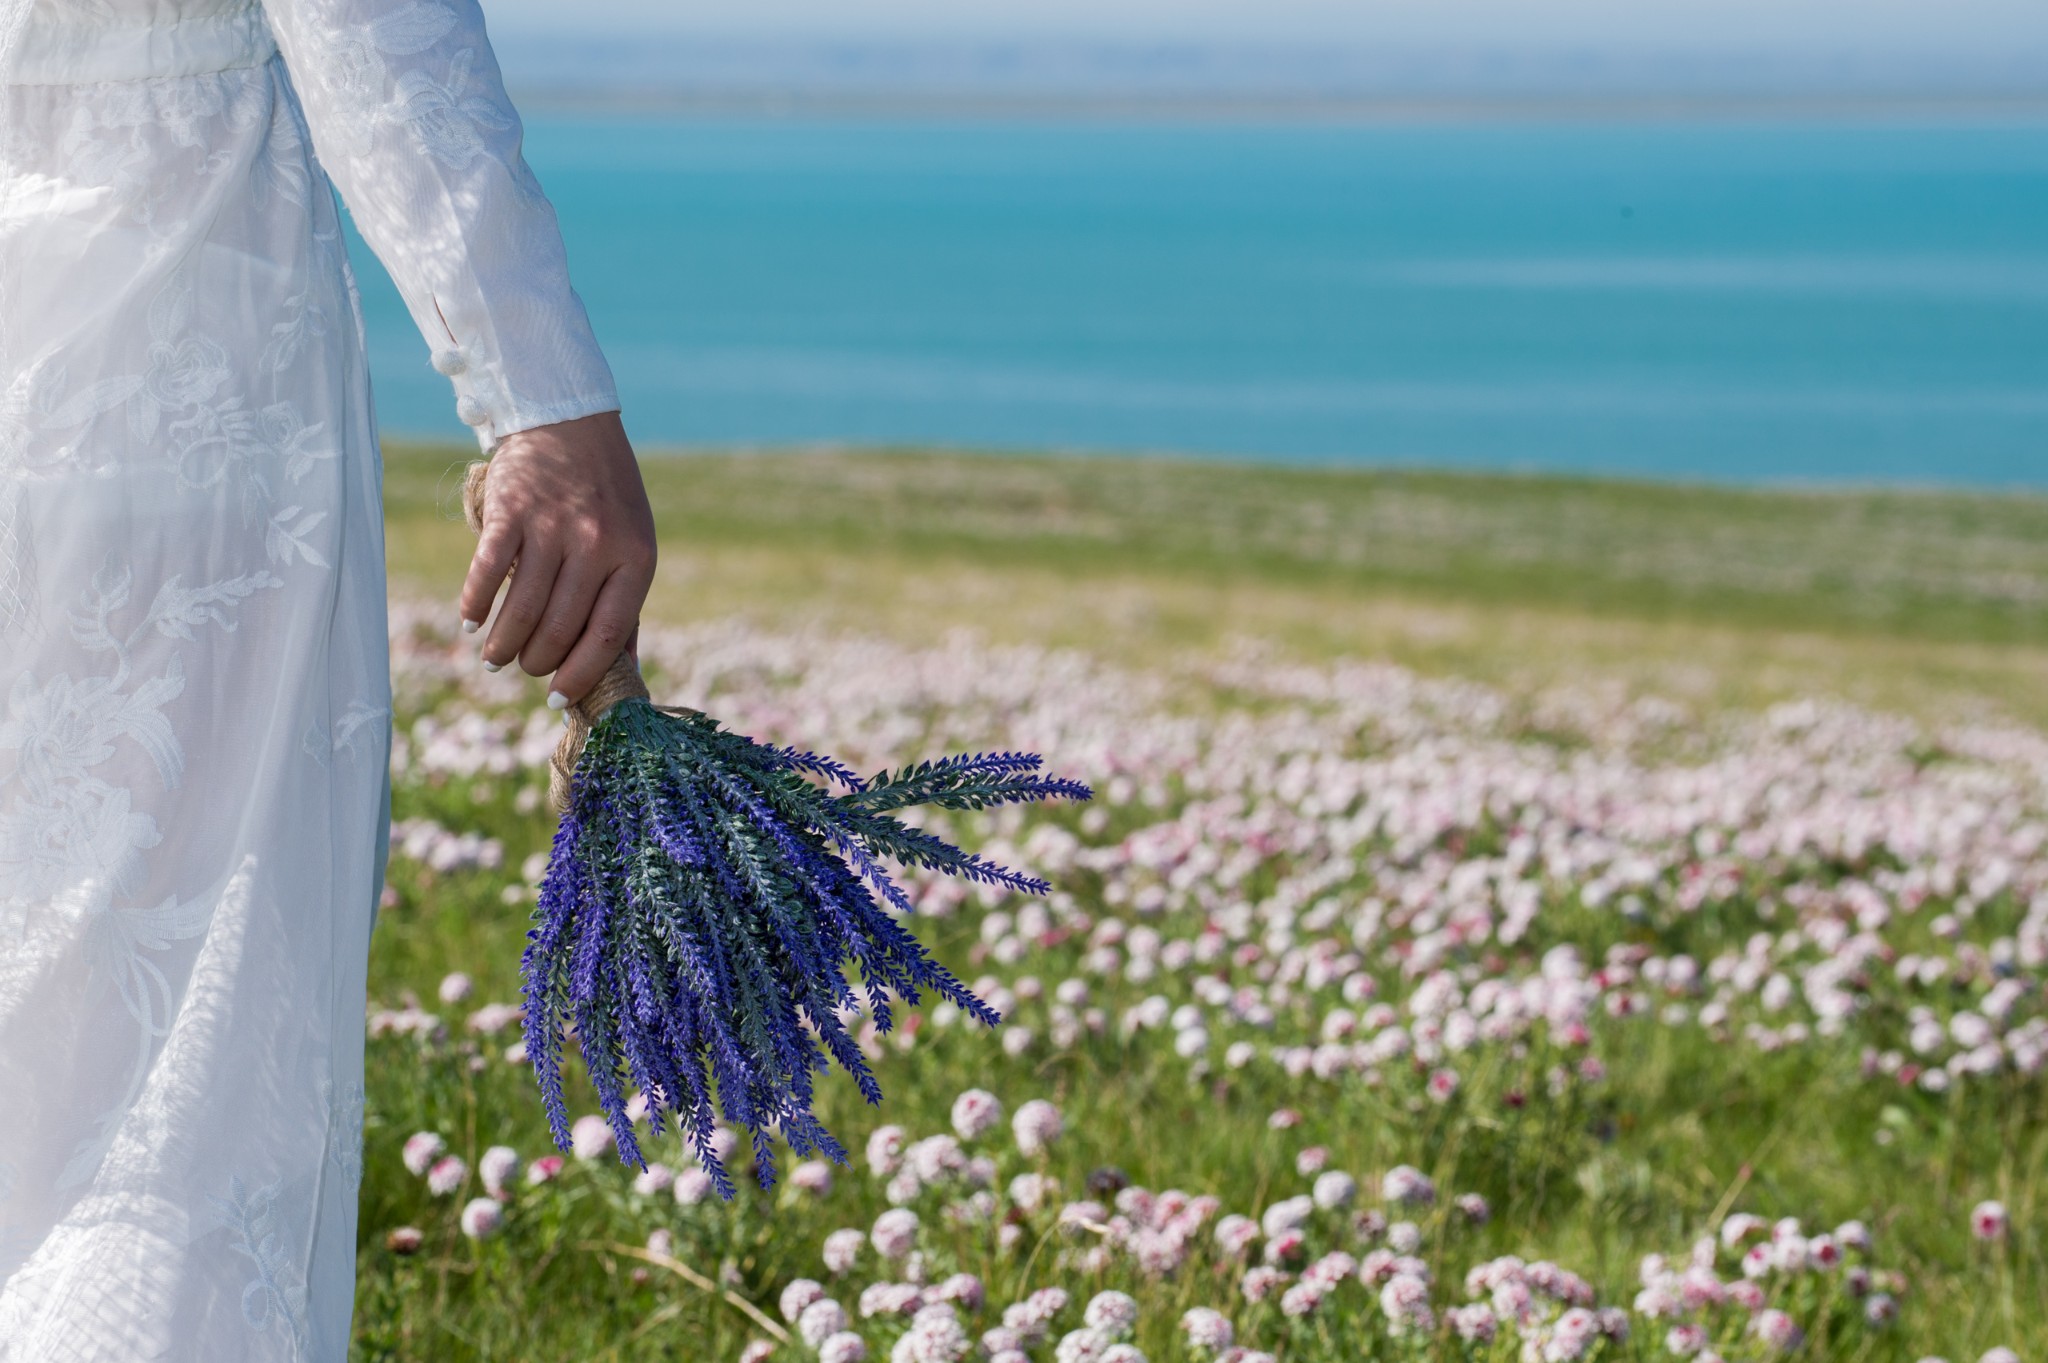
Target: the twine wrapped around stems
(622, 681)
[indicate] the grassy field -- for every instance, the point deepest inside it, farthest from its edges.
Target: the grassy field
(1900, 599)
(1687, 864)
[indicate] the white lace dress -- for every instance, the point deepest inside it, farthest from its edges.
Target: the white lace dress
(194, 691)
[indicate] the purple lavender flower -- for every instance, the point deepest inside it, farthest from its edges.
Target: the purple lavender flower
(711, 917)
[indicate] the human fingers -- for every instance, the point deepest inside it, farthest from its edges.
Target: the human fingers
(526, 600)
(612, 628)
(496, 549)
(562, 623)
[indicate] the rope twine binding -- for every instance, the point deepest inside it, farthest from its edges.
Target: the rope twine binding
(621, 681)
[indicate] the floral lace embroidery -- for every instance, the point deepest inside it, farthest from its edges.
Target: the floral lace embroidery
(345, 1134)
(273, 1296)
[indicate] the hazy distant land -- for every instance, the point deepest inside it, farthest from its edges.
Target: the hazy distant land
(1189, 77)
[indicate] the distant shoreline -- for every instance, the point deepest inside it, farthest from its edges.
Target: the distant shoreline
(1062, 107)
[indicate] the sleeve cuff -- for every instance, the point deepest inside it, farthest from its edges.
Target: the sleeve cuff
(482, 404)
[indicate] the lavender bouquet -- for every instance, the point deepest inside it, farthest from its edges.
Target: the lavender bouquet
(706, 901)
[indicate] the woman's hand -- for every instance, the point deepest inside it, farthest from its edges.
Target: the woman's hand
(566, 516)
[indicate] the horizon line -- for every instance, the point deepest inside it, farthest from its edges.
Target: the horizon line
(580, 96)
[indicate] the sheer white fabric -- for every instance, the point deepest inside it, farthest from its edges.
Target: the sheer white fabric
(194, 688)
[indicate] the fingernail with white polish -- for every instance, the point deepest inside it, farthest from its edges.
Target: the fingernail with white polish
(471, 626)
(557, 701)
(490, 666)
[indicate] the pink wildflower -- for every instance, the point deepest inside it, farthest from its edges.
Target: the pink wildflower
(895, 1232)
(1113, 1314)
(1474, 1322)
(482, 1218)
(1777, 1330)
(963, 1290)
(800, 1293)
(885, 1150)
(1208, 1331)
(821, 1320)
(590, 1137)
(1407, 1186)
(1334, 1189)
(1235, 1234)
(842, 1250)
(422, 1148)
(499, 1170)
(1260, 1283)
(843, 1347)
(1036, 1126)
(976, 1113)
(1405, 1302)
(1686, 1340)
(447, 1175)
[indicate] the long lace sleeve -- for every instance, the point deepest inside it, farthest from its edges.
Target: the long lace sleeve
(409, 116)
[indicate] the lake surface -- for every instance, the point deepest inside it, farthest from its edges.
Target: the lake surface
(1739, 301)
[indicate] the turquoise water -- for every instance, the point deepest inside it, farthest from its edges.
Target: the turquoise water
(1731, 300)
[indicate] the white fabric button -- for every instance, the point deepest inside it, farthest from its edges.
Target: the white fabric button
(449, 362)
(471, 412)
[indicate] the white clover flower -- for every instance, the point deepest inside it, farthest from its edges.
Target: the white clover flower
(422, 1148)
(1036, 1126)
(499, 1169)
(842, 1250)
(821, 1320)
(590, 1137)
(482, 1217)
(1112, 1314)
(843, 1347)
(1405, 1185)
(976, 1113)
(800, 1293)
(895, 1233)
(1033, 1191)
(1080, 1346)
(1287, 1214)
(1334, 1189)
(1474, 1323)
(1208, 1331)
(962, 1289)
(1777, 1330)
(447, 1174)
(1405, 1302)
(691, 1187)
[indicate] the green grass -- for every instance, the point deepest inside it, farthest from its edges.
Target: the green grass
(1911, 600)
(1934, 603)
